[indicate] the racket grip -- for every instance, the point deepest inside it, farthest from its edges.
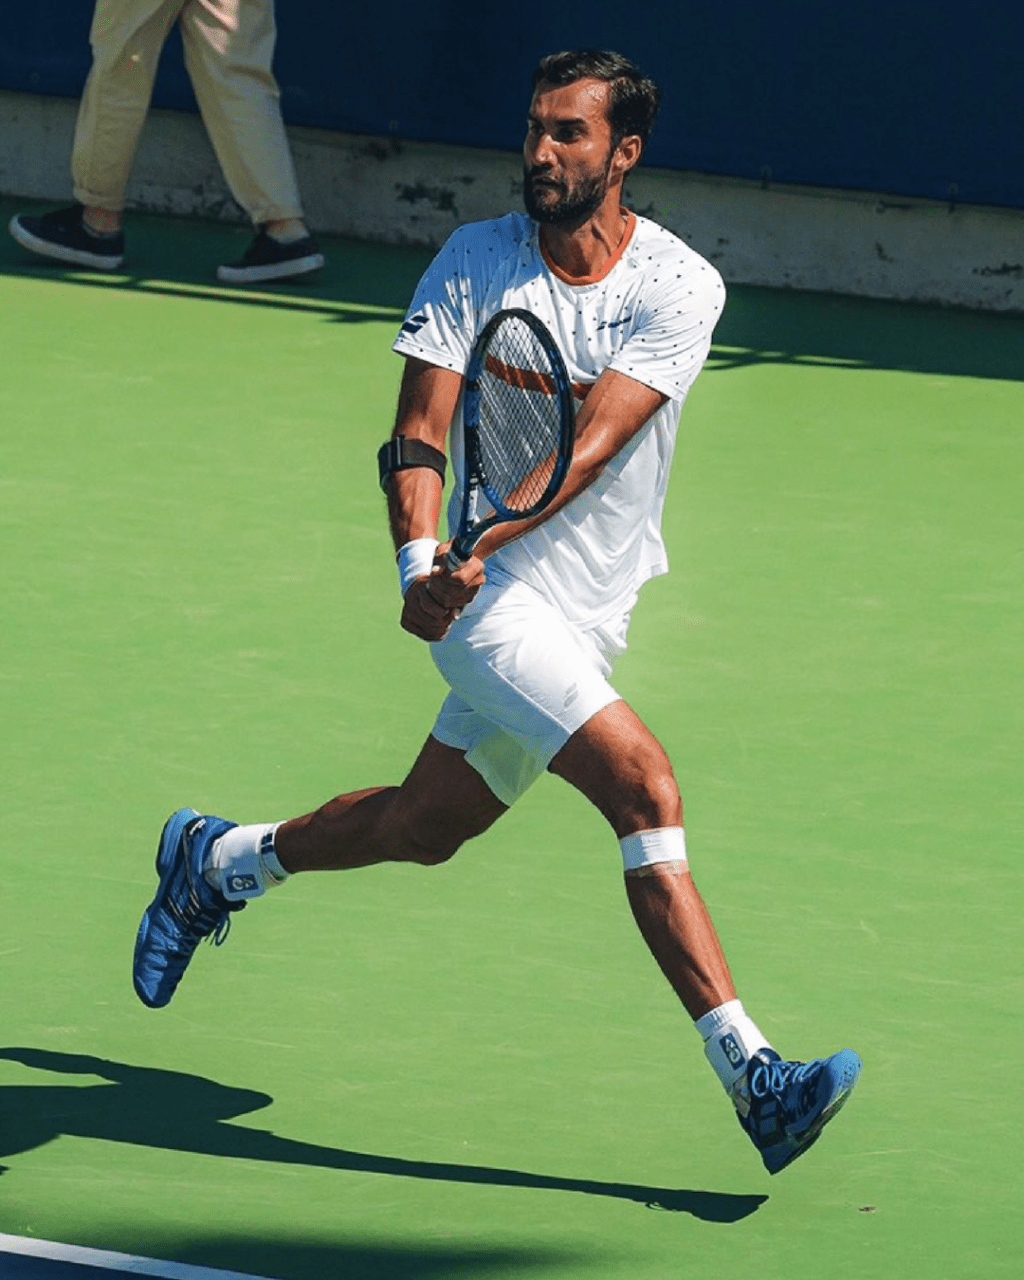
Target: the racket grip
(455, 559)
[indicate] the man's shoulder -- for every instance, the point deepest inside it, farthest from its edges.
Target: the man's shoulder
(492, 235)
(654, 246)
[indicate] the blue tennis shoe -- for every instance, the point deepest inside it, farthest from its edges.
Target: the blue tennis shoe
(186, 908)
(785, 1105)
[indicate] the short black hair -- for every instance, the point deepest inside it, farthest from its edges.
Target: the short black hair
(633, 98)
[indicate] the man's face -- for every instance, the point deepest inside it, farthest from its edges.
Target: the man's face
(567, 153)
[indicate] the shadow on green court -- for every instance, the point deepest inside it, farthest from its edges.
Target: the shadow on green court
(387, 1261)
(146, 1106)
(780, 326)
(306, 1258)
(364, 281)
(272, 1258)
(179, 256)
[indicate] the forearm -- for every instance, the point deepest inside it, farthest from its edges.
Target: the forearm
(426, 403)
(615, 410)
(587, 465)
(414, 505)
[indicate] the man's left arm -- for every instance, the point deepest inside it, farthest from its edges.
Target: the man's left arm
(669, 344)
(616, 408)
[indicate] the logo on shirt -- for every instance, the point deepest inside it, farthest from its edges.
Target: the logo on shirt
(415, 323)
(614, 324)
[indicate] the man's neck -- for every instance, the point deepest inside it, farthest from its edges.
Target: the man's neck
(584, 251)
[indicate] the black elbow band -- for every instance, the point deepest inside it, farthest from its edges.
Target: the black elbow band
(401, 453)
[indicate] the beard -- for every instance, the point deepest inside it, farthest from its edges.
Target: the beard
(563, 205)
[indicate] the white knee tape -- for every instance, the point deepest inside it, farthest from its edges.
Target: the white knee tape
(648, 848)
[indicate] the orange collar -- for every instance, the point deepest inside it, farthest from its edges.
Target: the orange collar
(553, 267)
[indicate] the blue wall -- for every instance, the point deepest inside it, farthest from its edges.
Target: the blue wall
(909, 97)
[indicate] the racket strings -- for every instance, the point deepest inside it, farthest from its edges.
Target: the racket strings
(519, 403)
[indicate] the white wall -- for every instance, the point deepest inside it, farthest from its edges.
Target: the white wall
(415, 193)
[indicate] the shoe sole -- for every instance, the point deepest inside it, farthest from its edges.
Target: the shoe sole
(62, 253)
(271, 271)
(166, 851)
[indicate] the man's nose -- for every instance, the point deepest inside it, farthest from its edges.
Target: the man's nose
(542, 153)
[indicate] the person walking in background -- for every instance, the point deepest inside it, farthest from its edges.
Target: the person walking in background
(229, 49)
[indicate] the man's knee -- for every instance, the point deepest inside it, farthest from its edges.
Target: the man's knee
(423, 833)
(655, 799)
(429, 849)
(623, 769)
(442, 804)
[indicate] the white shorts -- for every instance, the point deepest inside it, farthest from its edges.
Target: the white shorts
(523, 680)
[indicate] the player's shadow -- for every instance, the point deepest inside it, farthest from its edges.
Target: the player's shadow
(146, 1106)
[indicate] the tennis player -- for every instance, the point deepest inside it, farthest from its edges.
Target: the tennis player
(526, 631)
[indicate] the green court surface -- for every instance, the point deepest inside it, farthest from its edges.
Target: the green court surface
(475, 1071)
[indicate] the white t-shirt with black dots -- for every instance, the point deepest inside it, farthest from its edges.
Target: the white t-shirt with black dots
(649, 315)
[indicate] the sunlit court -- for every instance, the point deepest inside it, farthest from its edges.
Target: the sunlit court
(475, 1070)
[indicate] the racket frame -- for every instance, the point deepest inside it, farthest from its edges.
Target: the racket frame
(475, 480)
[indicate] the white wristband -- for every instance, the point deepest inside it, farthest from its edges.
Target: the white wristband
(415, 560)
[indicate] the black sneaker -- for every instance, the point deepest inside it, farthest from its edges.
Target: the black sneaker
(64, 236)
(269, 259)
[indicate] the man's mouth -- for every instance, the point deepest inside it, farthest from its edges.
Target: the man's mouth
(546, 191)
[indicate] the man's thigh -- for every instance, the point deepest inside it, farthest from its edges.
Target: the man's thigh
(523, 680)
(622, 768)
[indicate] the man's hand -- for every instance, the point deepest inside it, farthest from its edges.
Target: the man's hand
(433, 603)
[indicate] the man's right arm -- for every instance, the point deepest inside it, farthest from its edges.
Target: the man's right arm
(426, 406)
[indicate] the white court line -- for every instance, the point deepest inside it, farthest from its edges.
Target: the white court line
(124, 1262)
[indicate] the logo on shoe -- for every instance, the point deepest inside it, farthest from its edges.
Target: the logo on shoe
(242, 884)
(731, 1049)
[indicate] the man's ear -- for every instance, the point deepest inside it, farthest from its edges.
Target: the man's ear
(627, 154)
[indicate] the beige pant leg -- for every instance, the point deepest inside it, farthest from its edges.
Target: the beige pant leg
(126, 38)
(229, 48)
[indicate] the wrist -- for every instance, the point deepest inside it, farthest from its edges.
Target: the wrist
(415, 560)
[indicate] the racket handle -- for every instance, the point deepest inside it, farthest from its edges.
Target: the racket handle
(456, 558)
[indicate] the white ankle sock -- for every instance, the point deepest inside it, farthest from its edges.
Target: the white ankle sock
(243, 863)
(730, 1040)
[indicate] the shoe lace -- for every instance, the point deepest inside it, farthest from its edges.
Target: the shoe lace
(203, 921)
(792, 1084)
(220, 933)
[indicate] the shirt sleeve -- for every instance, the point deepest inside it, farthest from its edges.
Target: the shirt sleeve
(668, 345)
(439, 324)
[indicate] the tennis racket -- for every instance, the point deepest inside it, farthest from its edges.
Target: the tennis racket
(518, 427)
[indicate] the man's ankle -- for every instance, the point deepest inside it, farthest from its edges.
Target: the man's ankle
(286, 230)
(101, 222)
